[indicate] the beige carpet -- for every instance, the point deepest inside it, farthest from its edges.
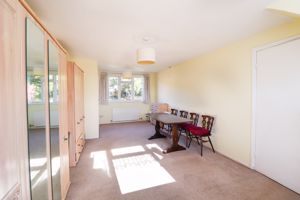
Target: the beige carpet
(123, 164)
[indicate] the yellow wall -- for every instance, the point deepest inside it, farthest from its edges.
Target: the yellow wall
(220, 83)
(153, 87)
(91, 95)
(105, 111)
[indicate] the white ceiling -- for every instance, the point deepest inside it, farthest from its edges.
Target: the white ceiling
(110, 31)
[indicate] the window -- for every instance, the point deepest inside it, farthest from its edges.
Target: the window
(126, 89)
(113, 88)
(35, 88)
(120, 89)
(36, 85)
(53, 88)
(138, 85)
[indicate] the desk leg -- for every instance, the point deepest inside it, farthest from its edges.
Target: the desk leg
(157, 132)
(175, 136)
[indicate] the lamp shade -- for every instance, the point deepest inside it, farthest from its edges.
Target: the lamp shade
(146, 56)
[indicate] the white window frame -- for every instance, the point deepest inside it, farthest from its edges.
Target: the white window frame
(42, 100)
(55, 92)
(119, 100)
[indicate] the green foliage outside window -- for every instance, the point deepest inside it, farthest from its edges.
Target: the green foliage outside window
(125, 89)
(35, 88)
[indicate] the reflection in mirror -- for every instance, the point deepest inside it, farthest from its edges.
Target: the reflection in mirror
(54, 119)
(35, 69)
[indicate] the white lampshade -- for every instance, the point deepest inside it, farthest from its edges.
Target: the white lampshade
(127, 75)
(146, 56)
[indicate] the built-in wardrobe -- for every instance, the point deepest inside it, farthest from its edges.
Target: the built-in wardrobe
(34, 149)
(76, 111)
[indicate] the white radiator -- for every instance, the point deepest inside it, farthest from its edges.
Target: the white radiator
(125, 114)
(54, 118)
(39, 119)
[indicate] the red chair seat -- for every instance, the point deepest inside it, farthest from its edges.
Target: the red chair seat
(184, 125)
(199, 131)
(190, 127)
(203, 131)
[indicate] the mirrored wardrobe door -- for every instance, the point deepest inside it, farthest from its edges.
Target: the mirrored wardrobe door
(36, 111)
(53, 87)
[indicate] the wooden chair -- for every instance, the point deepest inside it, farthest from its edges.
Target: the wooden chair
(158, 108)
(174, 111)
(168, 126)
(195, 118)
(202, 132)
(183, 113)
(183, 127)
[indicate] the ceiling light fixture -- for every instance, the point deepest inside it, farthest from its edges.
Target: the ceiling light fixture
(146, 56)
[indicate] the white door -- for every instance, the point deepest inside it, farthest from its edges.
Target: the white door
(277, 113)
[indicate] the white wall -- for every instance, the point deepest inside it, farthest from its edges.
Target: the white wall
(91, 96)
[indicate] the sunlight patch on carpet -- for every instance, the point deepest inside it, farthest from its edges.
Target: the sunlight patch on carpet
(160, 157)
(127, 150)
(34, 173)
(55, 163)
(37, 162)
(41, 177)
(140, 172)
(154, 146)
(100, 161)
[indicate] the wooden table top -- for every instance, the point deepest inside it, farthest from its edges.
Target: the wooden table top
(168, 118)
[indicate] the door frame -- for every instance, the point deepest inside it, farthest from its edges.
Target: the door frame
(254, 90)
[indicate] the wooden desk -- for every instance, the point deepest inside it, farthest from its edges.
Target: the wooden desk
(173, 121)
